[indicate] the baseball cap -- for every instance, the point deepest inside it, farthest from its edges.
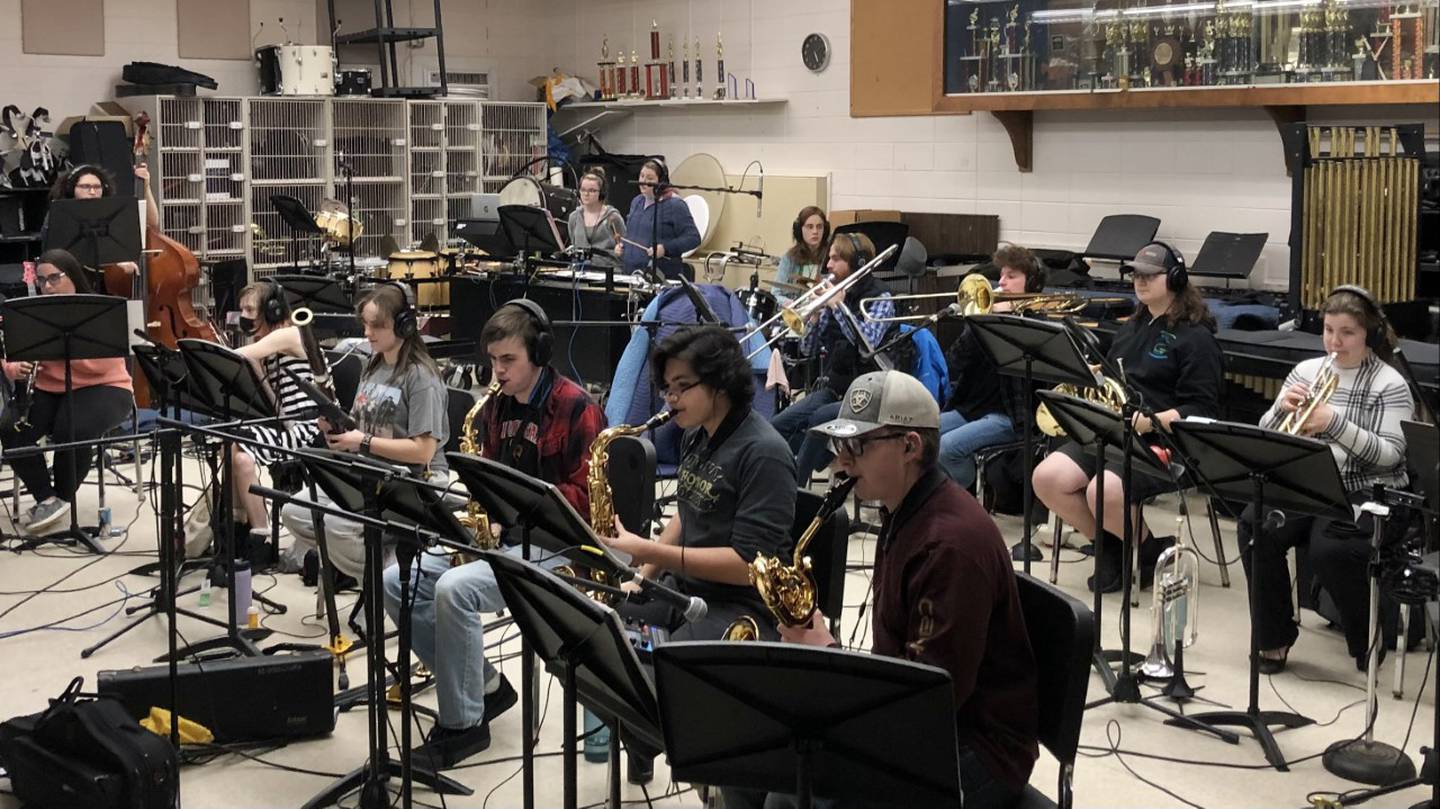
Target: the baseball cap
(1152, 259)
(882, 399)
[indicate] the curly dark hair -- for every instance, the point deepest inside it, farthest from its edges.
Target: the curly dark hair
(64, 187)
(1018, 258)
(716, 358)
(63, 261)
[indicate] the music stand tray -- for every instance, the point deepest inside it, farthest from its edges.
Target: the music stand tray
(1228, 255)
(484, 234)
(1086, 422)
(816, 722)
(96, 231)
(318, 293)
(530, 229)
(224, 383)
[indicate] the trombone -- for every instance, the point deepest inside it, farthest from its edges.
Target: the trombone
(975, 297)
(813, 300)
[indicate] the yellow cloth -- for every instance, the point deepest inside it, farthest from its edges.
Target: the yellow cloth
(158, 722)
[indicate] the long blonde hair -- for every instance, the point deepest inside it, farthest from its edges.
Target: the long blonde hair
(389, 302)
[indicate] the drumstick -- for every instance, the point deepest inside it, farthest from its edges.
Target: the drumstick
(635, 244)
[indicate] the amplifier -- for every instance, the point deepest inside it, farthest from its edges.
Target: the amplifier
(240, 699)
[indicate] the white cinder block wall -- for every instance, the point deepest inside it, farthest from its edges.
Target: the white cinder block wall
(1197, 170)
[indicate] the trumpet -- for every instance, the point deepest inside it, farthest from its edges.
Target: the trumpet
(1321, 390)
(975, 297)
(1175, 608)
(812, 301)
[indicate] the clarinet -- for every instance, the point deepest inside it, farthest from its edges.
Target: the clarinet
(24, 396)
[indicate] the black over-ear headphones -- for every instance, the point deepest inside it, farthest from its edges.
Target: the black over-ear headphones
(543, 346)
(1176, 277)
(274, 308)
(406, 323)
(1375, 336)
(800, 223)
(861, 257)
(599, 177)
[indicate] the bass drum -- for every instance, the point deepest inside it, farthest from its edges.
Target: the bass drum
(296, 70)
(559, 201)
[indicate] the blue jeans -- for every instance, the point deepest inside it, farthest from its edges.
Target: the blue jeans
(961, 439)
(814, 452)
(449, 603)
(793, 421)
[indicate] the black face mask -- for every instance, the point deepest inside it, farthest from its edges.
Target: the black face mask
(247, 324)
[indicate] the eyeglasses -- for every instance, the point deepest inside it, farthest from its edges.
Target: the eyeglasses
(589, 190)
(49, 279)
(855, 447)
(677, 390)
(89, 187)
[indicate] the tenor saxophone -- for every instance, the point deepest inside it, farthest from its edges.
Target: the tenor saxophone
(475, 517)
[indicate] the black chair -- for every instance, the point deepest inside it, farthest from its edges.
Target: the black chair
(1062, 636)
(345, 375)
(827, 553)
(457, 403)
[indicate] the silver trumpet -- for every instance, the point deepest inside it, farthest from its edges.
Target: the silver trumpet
(1175, 609)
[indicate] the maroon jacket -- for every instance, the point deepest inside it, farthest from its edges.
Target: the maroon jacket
(568, 425)
(945, 595)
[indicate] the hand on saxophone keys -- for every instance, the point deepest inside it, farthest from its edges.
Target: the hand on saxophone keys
(626, 542)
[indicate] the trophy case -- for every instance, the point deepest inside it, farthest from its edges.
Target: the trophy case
(1088, 46)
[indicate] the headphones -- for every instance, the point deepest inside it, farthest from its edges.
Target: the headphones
(1176, 277)
(274, 308)
(543, 346)
(405, 320)
(861, 258)
(661, 172)
(1374, 337)
(800, 223)
(599, 177)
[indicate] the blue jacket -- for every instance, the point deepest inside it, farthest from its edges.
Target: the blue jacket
(930, 366)
(677, 232)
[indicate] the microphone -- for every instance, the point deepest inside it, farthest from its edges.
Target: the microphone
(693, 607)
(760, 196)
(913, 257)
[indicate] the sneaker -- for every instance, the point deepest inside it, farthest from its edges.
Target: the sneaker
(447, 747)
(501, 701)
(47, 514)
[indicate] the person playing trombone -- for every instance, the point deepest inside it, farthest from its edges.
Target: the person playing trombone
(842, 341)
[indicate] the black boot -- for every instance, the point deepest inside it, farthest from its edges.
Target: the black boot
(1112, 562)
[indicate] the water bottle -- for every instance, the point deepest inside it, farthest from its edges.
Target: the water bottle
(104, 528)
(597, 743)
(240, 595)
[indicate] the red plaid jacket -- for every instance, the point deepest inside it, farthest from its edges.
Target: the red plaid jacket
(568, 427)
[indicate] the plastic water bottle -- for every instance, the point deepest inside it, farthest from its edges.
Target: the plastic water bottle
(104, 526)
(240, 595)
(597, 743)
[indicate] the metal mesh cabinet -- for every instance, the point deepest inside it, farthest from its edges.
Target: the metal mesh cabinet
(512, 135)
(289, 154)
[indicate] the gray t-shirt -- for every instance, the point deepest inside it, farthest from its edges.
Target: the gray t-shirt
(741, 495)
(388, 405)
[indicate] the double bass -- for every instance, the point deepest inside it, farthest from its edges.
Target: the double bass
(166, 281)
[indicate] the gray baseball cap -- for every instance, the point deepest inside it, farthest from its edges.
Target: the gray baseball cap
(1152, 259)
(883, 399)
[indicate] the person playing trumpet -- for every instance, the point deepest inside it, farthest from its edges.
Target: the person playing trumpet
(1361, 423)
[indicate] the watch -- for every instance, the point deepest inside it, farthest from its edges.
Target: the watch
(365, 443)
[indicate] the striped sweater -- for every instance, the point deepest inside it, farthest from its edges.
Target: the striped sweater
(1364, 433)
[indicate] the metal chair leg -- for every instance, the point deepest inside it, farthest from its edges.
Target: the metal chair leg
(1219, 543)
(1402, 645)
(1293, 559)
(1055, 550)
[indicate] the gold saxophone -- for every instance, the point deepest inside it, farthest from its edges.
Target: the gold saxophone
(475, 517)
(602, 501)
(789, 590)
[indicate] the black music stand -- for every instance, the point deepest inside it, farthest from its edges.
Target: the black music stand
(96, 231)
(1270, 469)
(318, 293)
(1120, 236)
(817, 722)
(226, 386)
(354, 483)
(1228, 255)
(299, 219)
(547, 519)
(584, 645)
(64, 328)
(1093, 425)
(1033, 349)
(530, 230)
(485, 235)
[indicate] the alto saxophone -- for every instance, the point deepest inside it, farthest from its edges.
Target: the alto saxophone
(475, 517)
(789, 590)
(602, 500)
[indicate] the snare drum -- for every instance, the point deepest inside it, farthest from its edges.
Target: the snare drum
(760, 305)
(296, 70)
(409, 264)
(557, 200)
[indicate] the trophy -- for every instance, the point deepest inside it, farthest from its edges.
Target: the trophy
(1027, 62)
(607, 71)
(973, 80)
(1012, 52)
(1207, 54)
(719, 68)
(657, 83)
(996, 64)
(1403, 56)
(635, 74)
(699, 72)
(670, 65)
(685, 66)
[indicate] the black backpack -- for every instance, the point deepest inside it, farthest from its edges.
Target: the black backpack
(88, 752)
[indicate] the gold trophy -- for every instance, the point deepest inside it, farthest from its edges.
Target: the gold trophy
(685, 67)
(607, 71)
(635, 91)
(719, 68)
(699, 71)
(670, 65)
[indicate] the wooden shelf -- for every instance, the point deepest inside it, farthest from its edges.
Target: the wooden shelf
(690, 103)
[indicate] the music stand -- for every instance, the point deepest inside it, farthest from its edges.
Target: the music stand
(1120, 236)
(318, 293)
(817, 722)
(545, 518)
(484, 234)
(354, 484)
(294, 214)
(530, 229)
(1033, 349)
(1270, 469)
(1091, 424)
(1228, 255)
(96, 231)
(65, 328)
(584, 645)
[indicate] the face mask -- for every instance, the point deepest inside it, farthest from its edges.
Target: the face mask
(247, 324)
